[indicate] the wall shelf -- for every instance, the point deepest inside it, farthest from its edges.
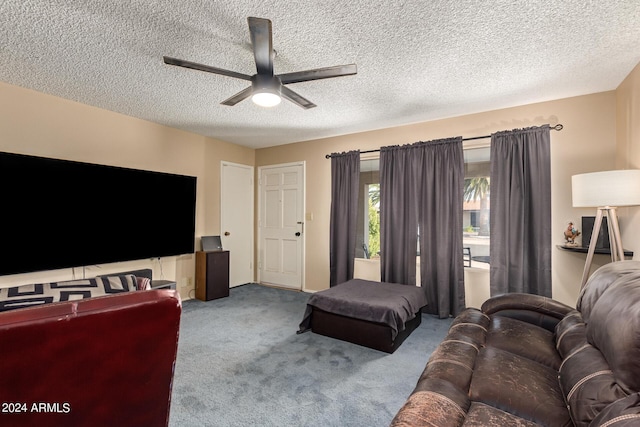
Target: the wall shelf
(583, 250)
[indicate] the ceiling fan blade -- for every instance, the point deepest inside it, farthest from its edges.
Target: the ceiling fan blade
(240, 96)
(195, 66)
(318, 73)
(292, 96)
(262, 42)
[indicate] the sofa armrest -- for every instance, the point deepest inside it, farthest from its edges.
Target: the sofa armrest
(534, 309)
(624, 412)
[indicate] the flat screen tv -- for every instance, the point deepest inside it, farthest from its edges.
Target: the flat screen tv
(58, 214)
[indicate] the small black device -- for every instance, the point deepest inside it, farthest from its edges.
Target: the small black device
(211, 243)
(587, 230)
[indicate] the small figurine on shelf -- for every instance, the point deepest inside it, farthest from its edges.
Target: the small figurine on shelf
(570, 235)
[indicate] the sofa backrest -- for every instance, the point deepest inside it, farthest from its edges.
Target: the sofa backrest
(600, 281)
(614, 329)
(600, 347)
(99, 361)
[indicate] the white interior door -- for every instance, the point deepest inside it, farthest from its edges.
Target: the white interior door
(236, 220)
(281, 225)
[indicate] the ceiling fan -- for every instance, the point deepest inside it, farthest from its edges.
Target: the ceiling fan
(266, 88)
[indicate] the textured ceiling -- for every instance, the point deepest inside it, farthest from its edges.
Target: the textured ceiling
(417, 60)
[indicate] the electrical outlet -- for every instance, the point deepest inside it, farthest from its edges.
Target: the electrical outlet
(189, 281)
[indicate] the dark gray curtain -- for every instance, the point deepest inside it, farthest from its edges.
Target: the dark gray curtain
(345, 175)
(521, 212)
(398, 215)
(421, 189)
(440, 201)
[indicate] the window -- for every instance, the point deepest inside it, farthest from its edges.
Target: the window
(368, 233)
(476, 206)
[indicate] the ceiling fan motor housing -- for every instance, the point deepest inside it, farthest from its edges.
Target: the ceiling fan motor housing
(264, 83)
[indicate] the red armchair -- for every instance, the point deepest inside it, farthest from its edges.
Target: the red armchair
(105, 361)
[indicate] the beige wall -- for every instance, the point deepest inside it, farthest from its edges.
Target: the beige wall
(587, 143)
(43, 125)
(628, 152)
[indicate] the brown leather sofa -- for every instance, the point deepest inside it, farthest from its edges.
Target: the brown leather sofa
(104, 361)
(526, 360)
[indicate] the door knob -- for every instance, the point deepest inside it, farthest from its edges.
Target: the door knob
(226, 233)
(298, 233)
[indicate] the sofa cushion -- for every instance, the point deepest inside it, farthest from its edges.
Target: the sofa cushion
(520, 386)
(524, 339)
(44, 293)
(481, 415)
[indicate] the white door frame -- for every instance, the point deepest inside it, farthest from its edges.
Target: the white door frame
(251, 208)
(304, 210)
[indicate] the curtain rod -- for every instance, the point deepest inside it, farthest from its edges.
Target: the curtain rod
(557, 127)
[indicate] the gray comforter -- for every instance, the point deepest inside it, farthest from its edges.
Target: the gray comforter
(388, 303)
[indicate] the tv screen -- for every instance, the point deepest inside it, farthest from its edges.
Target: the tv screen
(59, 214)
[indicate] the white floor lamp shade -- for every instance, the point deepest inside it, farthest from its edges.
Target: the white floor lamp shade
(606, 191)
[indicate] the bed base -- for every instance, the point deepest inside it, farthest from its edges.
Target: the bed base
(368, 334)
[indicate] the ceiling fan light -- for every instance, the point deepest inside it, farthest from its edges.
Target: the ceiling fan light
(266, 99)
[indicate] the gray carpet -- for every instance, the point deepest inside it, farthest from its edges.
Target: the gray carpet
(240, 363)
